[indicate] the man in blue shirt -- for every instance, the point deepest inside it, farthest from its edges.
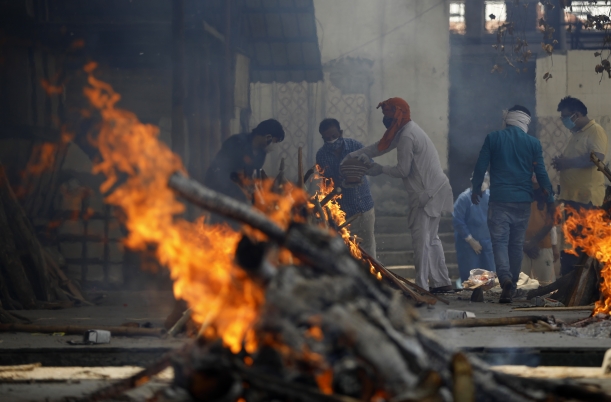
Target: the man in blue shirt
(354, 200)
(471, 234)
(513, 156)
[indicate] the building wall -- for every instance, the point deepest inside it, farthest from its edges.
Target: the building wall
(572, 74)
(408, 43)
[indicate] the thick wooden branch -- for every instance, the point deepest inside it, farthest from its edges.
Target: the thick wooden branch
(25, 239)
(221, 204)
(80, 329)
(487, 322)
(600, 165)
(419, 294)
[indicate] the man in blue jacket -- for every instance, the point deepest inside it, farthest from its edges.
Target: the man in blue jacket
(471, 234)
(513, 156)
(354, 200)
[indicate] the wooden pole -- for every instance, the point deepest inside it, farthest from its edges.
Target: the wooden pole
(12, 269)
(23, 237)
(486, 322)
(425, 294)
(80, 329)
(227, 88)
(300, 182)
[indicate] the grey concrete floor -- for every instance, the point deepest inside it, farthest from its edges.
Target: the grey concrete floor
(115, 309)
(516, 336)
(120, 307)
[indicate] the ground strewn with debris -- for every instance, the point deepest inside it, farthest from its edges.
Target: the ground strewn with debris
(87, 368)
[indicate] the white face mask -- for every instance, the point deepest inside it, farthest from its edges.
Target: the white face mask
(332, 141)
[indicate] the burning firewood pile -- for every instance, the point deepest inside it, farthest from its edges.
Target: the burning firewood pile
(289, 309)
(328, 330)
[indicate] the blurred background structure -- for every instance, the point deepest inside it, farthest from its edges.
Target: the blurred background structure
(202, 70)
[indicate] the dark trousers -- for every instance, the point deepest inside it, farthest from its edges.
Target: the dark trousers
(507, 222)
(568, 261)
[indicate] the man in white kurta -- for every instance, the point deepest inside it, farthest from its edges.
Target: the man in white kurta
(428, 188)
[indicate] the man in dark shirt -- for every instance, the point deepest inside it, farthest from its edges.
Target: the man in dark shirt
(242, 154)
(354, 200)
(513, 156)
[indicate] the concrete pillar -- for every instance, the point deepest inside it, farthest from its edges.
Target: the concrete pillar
(474, 18)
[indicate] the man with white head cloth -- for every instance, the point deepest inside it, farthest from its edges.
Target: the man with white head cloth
(513, 156)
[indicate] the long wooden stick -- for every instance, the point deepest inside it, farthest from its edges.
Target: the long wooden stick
(419, 289)
(180, 324)
(486, 322)
(389, 275)
(573, 308)
(300, 180)
(79, 329)
(321, 212)
(398, 280)
(600, 165)
(142, 377)
(349, 221)
(223, 205)
(336, 191)
(74, 291)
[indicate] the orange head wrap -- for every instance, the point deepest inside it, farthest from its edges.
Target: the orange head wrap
(397, 109)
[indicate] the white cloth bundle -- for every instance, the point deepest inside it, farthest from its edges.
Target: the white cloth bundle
(518, 119)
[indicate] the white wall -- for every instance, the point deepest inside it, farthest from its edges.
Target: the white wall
(409, 44)
(572, 74)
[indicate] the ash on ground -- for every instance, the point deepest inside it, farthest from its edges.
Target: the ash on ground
(600, 329)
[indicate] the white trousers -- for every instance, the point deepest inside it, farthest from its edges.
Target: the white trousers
(362, 227)
(429, 259)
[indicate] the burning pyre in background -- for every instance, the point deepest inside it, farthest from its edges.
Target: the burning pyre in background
(590, 230)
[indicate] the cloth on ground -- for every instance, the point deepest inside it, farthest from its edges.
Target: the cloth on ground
(525, 282)
(540, 268)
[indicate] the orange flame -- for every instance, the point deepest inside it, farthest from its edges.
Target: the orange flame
(339, 217)
(590, 230)
(200, 257)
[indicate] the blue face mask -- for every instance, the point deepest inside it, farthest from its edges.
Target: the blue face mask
(568, 122)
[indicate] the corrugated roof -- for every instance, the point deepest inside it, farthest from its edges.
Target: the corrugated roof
(284, 44)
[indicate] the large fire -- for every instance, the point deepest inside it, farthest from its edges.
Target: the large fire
(200, 257)
(339, 217)
(137, 166)
(590, 230)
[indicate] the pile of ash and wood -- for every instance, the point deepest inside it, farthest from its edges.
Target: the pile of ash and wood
(30, 276)
(329, 331)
